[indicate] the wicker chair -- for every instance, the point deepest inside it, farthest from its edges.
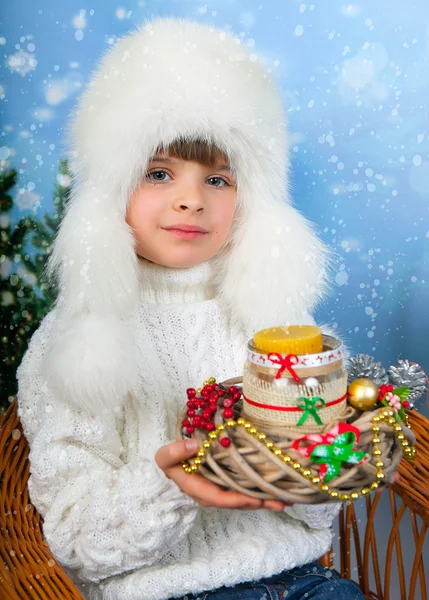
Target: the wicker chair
(28, 570)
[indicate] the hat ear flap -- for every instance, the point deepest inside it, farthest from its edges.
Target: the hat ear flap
(276, 270)
(93, 257)
(90, 363)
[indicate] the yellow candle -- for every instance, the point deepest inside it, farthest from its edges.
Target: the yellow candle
(292, 339)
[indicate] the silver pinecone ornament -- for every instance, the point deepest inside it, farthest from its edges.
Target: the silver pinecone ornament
(363, 365)
(411, 376)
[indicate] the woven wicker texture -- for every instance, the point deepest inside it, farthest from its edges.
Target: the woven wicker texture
(28, 570)
(250, 467)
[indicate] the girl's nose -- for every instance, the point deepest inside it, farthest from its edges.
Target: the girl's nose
(190, 201)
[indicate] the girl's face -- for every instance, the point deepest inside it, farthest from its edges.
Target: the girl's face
(182, 212)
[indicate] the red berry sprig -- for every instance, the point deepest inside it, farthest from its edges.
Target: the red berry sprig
(387, 397)
(385, 389)
(203, 404)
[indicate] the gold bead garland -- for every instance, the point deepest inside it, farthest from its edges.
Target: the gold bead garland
(386, 415)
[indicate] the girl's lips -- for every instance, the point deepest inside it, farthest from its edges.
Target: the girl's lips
(186, 235)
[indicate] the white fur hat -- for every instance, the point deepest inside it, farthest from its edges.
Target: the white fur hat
(172, 78)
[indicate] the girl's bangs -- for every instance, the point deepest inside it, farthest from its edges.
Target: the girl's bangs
(200, 151)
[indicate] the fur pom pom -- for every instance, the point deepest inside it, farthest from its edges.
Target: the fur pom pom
(90, 365)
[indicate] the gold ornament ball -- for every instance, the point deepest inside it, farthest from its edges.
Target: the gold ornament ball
(363, 393)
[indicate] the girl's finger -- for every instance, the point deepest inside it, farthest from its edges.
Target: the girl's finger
(230, 499)
(208, 493)
(220, 498)
(172, 454)
(277, 505)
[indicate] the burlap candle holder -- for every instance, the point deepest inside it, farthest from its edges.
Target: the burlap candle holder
(315, 397)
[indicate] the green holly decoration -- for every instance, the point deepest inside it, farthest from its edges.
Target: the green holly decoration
(333, 455)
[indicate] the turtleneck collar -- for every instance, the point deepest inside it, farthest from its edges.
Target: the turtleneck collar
(166, 285)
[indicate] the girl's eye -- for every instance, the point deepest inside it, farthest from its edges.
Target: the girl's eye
(158, 176)
(218, 182)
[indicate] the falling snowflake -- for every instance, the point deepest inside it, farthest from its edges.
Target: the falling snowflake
(22, 62)
(43, 114)
(7, 299)
(64, 180)
(5, 266)
(58, 90)
(122, 13)
(111, 40)
(79, 20)
(4, 153)
(29, 278)
(351, 10)
(26, 199)
(4, 221)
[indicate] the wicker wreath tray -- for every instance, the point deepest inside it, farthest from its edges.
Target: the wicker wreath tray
(266, 462)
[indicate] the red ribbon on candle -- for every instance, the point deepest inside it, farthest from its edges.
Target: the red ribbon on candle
(285, 362)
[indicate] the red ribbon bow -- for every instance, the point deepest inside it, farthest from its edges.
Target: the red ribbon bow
(316, 438)
(285, 362)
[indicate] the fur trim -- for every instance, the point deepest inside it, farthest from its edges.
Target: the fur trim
(276, 271)
(82, 352)
(174, 78)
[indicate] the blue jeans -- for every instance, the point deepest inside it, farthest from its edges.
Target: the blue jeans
(309, 582)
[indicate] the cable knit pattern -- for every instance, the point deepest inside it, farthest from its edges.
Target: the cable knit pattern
(120, 527)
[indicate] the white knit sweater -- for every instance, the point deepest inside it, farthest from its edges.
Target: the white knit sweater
(118, 525)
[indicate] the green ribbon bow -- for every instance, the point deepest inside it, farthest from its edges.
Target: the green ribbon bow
(333, 455)
(310, 407)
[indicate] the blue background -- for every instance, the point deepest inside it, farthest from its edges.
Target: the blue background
(355, 83)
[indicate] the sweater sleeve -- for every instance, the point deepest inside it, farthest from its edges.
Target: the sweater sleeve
(102, 515)
(316, 516)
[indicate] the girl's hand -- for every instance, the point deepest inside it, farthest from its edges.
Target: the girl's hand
(169, 458)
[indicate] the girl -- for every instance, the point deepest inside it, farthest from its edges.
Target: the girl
(179, 242)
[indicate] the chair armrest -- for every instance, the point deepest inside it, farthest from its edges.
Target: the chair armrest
(413, 485)
(382, 541)
(27, 567)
